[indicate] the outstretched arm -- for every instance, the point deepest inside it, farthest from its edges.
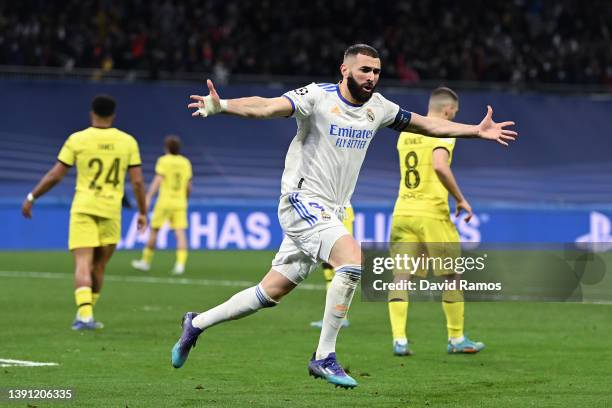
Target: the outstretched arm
(447, 178)
(486, 129)
(53, 176)
(251, 107)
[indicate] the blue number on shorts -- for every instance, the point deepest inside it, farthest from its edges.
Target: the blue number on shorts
(317, 206)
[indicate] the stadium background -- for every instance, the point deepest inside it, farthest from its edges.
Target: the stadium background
(555, 179)
(545, 64)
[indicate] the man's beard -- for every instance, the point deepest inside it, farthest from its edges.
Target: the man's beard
(357, 92)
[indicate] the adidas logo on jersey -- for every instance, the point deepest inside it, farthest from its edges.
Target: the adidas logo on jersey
(336, 111)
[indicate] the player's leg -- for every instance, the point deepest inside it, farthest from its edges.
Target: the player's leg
(398, 317)
(267, 293)
(453, 305)
(144, 263)
(443, 241)
(181, 251)
(84, 236)
(328, 275)
(157, 221)
(101, 256)
(349, 219)
(244, 303)
(404, 235)
(178, 222)
(289, 267)
(109, 230)
(328, 269)
(83, 261)
(345, 256)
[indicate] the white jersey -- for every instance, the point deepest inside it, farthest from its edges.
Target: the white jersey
(332, 138)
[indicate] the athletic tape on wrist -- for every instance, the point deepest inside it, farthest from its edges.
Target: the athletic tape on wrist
(210, 108)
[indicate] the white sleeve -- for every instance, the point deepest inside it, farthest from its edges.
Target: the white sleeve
(303, 100)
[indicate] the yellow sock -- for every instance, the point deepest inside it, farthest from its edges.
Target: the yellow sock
(94, 298)
(147, 255)
(454, 318)
(328, 274)
(181, 257)
(398, 314)
(84, 301)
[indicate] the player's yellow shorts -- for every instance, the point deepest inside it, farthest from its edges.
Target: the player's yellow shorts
(90, 231)
(433, 237)
(177, 218)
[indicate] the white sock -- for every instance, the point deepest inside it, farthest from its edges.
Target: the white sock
(456, 340)
(240, 305)
(338, 300)
(402, 342)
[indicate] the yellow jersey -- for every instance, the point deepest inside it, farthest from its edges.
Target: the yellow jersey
(176, 172)
(102, 157)
(421, 192)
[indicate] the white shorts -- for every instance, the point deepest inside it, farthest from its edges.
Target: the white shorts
(311, 229)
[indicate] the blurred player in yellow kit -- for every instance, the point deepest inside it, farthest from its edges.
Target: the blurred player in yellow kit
(328, 270)
(173, 175)
(422, 216)
(102, 155)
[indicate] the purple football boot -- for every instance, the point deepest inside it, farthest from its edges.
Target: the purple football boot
(329, 369)
(188, 339)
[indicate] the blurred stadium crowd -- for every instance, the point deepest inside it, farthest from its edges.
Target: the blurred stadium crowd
(514, 41)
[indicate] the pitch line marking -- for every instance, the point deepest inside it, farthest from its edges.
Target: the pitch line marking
(7, 362)
(149, 279)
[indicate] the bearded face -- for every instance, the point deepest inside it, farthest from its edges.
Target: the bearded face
(362, 92)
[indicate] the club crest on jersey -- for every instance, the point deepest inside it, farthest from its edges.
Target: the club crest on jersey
(325, 216)
(370, 115)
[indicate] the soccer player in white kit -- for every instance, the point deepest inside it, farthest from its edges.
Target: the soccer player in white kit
(336, 123)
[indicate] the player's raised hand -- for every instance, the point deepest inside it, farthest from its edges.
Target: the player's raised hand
(465, 206)
(26, 208)
(488, 129)
(207, 105)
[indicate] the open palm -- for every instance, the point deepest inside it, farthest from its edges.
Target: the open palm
(206, 105)
(488, 129)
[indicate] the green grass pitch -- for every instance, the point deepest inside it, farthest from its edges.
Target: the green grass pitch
(537, 355)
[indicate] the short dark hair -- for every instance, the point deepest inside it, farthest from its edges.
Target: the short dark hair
(445, 92)
(103, 105)
(173, 144)
(364, 49)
